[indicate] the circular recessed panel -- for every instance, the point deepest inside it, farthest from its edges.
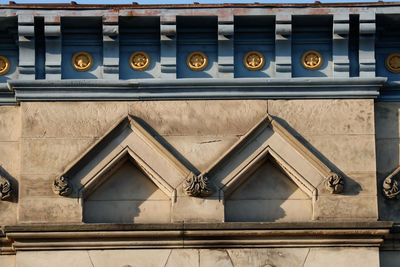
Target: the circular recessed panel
(197, 61)
(254, 60)
(311, 60)
(82, 61)
(139, 60)
(4, 65)
(393, 62)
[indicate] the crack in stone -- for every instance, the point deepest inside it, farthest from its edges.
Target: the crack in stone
(166, 262)
(211, 141)
(229, 256)
(90, 258)
(305, 259)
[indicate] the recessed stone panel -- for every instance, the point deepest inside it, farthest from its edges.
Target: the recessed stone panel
(44, 156)
(316, 117)
(70, 119)
(211, 117)
(10, 123)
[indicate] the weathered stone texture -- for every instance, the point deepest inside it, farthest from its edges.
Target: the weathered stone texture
(310, 257)
(341, 134)
(70, 119)
(10, 133)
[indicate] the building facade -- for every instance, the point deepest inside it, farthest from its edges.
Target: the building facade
(200, 135)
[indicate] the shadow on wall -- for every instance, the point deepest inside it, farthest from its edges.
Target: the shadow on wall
(351, 188)
(127, 196)
(268, 195)
(14, 185)
(387, 155)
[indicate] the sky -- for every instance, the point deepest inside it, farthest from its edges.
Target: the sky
(143, 2)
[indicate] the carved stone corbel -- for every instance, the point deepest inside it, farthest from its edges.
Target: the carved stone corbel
(62, 186)
(196, 186)
(334, 183)
(5, 188)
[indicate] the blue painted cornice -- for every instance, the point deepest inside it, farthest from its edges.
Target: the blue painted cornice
(244, 88)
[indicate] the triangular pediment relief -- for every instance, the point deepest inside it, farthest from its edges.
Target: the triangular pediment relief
(270, 140)
(126, 141)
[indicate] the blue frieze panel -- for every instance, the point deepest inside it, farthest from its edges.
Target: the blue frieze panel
(312, 33)
(254, 33)
(387, 42)
(197, 34)
(139, 34)
(9, 46)
(82, 34)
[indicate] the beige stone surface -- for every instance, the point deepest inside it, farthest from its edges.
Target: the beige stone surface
(202, 151)
(215, 117)
(37, 185)
(267, 257)
(49, 210)
(7, 260)
(9, 158)
(70, 119)
(268, 195)
(334, 257)
(8, 213)
(76, 258)
(356, 184)
(338, 207)
(183, 257)
(215, 257)
(132, 258)
(44, 156)
(322, 117)
(192, 209)
(10, 123)
(345, 152)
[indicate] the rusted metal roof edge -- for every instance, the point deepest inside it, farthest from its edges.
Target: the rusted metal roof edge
(74, 5)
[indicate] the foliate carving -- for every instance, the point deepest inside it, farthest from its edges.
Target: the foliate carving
(392, 63)
(4, 65)
(139, 61)
(82, 61)
(311, 60)
(197, 61)
(334, 183)
(254, 60)
(5, 188)
(62, 186)
(196, 186)
(391, 188)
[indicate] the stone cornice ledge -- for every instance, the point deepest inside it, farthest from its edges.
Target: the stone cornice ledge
(207, 235)
(151, 89)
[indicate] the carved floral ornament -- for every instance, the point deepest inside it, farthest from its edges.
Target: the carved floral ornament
(392, 63)
(5, 188)
(62, 186)
(82, 61)
(4, 65)
(196, 186)
(197, 61)
(164, 169)
(139, 61)
(334, 183)
(254, 60)
(311, 60)
(391, 185)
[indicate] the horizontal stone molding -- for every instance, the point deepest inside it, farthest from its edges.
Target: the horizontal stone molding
(210, 235)
(186, 89)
